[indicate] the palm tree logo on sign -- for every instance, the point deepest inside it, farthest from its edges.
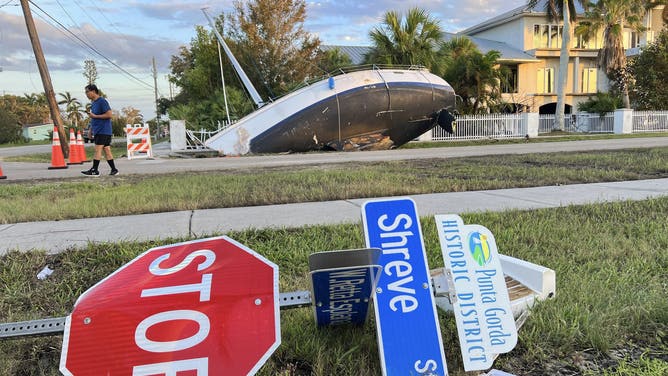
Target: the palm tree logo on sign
(479, 247)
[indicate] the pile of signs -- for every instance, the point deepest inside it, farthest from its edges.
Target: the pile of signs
(212, 305)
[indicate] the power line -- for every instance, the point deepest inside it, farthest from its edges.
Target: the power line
(123, 70)
(7, 3)
(72, 19)
(102, 13)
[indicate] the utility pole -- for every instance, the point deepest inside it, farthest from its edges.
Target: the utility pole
(46, 78)
(155, 86)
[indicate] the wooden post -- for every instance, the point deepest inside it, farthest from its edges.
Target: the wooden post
(46, 78)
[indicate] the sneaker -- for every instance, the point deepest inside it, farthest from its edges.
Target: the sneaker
(91, 172)
(113, 172)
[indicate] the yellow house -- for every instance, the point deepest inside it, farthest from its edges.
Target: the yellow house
(533, 87)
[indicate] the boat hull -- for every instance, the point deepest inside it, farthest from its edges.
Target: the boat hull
(364, 110)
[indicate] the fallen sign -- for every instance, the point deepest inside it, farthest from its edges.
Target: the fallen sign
(478, 292)
(162, 313)
(409, 333)
(336, 276)
(343, 283)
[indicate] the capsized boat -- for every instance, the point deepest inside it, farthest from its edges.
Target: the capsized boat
(365, 109)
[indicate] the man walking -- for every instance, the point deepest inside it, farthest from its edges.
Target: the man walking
(100, 125)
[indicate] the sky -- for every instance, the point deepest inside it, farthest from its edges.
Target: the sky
(125, 35)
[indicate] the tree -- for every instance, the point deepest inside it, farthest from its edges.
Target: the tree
(271, 44)
(196, 69)
(649, 70)
(612, 16)
(410, 40)
(90, 71)
(601, 104)
(131, 115)
(268, 40)
(73, 108)
(35, 109)
(333, 59)
(474, 76)
(565, 11)
(10, 129)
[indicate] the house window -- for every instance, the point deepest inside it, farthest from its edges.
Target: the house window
(631, 39)
(510, 84)
(581, 41)
(589, 80)
(547, 36)
(545, 80)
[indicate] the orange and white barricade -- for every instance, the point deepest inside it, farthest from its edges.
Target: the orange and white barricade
(139, 141)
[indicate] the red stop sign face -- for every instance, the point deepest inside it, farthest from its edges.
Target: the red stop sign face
(203, 307)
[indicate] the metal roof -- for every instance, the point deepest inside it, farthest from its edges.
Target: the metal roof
(508, 53)
(512, 14)
(356, 53)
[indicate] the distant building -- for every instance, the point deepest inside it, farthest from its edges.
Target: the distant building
(37, 132)
(534, 82)
(530, 47)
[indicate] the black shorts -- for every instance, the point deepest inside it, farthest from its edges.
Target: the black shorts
(102, 139)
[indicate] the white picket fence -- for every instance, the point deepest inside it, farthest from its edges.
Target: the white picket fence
(497, 126)
(582, 122)
(473, 127)
(650, 121)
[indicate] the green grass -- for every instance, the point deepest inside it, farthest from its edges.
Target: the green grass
(84, 198)
(556, 136)
(14, 144)
(610, 262)
(118, 150)
(610, 315)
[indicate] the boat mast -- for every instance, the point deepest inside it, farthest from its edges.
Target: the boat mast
(222, 79)
(244, 78)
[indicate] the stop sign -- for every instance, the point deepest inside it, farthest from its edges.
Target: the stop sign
(202, 307)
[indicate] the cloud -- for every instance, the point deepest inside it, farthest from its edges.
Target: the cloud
(351, 21)
(131, 32)
(67, 50)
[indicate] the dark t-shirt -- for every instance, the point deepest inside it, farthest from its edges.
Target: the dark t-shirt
(100, 126)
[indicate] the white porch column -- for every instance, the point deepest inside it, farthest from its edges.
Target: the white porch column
(623, 121)
(177, 134)
(532, 121)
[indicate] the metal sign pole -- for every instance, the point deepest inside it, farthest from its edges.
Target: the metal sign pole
(56, 325)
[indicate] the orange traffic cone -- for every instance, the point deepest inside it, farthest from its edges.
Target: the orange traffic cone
(2, 176)
(74, 149)
(82, 148)
(57, 158)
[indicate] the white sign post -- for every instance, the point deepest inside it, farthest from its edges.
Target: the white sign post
(478, 292)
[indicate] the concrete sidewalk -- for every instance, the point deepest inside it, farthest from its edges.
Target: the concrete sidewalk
(57, 236)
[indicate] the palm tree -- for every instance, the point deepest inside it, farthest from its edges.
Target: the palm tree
(72, 108)
(38, 107)
(474, 76)
(561, 10)
(612, 16)
(406, 41)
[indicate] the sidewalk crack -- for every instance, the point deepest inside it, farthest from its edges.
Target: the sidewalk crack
(190, 223)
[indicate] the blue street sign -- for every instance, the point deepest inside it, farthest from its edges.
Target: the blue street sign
(409, 335)
(342, 295)
(343, 283)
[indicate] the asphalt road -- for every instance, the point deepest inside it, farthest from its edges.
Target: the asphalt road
(163, 163)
